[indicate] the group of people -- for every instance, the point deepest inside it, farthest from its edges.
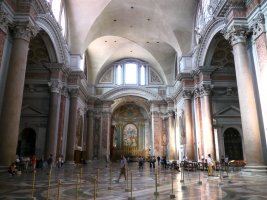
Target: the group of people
(21, 164)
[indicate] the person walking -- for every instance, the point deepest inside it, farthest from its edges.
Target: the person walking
(123, 162)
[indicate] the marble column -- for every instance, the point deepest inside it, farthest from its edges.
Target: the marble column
(249, 118)
(105, 137)
(53, 118)
(74, 93)
(61, 124)
(198, 124)
(259, 36)
(207, 131)
(90, 136)
(172, 146)
(13, 95)
(189, 145)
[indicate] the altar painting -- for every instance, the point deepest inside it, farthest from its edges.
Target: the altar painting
(130, 135)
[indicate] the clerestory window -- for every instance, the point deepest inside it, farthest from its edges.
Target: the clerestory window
(130, 73)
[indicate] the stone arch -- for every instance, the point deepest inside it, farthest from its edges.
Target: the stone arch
(53, 29)
(130, 91)
(212, 28)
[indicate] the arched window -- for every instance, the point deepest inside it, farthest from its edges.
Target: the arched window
(130, 73)
(58, 9)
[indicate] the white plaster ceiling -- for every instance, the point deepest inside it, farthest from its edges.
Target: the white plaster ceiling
(151, 30)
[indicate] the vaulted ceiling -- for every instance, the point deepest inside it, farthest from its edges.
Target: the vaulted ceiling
(151, 30)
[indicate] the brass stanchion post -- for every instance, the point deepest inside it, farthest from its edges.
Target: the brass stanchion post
(48, 189)
(77, 186)
(199, 181)
(131, 198)
(33, 182)
(110, 177)
(158, 177)
(95, 187)
(97, 179)
(81, 173)
(156, 193)
(172, 196)
(58, 189)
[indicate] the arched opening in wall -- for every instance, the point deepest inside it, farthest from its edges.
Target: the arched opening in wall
(233, 144)
(36, 94)
(130, 128)
(26, 143)
(224, 99)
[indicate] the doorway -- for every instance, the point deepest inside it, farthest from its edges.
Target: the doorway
(233, 144)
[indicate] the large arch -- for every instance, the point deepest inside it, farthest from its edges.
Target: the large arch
(53, 29)
(213, 27)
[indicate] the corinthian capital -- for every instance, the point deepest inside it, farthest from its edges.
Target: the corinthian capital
(74, 92)
(55, 86)
(4, 19)
(236, 34)
(25, 31)
(187, 94)
(197, 93)
(205, 90)
(258, 27)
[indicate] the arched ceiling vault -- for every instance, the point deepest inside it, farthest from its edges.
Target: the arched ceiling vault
(151, 30)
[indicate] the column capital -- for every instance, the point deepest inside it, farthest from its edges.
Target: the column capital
(205, 90)
(64, 91)
(197, 93)
(258, 27)
(5, 19)
(55, 86)
(236, 34)
(187, 94)
(74, 92)
(25, 30)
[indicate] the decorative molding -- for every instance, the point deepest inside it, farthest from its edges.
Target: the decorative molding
(258, 27)
(53, 29)
(55, 86)
(187, 94)
(74, 92)
(205, 90)
(213, 27)
(5, 18)
(236, 34)
(25, 30)
(127, 90)
(197, 93)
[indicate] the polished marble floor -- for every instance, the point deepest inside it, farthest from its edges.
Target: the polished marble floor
(77, 182)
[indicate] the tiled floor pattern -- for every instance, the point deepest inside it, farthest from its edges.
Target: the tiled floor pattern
(237, 185)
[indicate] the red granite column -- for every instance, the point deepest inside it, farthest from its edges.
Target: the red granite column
(61, 123)
(12, 101)
(248, 110)
(90, 136)
(198, 124)
(187, 94)
(53, 118)
(172, 146)
(72, 125)
(207, 131)
(259, 35)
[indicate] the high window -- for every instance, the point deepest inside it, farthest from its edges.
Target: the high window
(130, 73)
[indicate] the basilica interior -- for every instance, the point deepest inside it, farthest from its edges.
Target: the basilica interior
(92, 80)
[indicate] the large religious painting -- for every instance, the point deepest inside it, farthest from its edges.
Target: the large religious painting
(130, 135)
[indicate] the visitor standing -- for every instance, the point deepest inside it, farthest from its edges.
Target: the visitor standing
(210, 163)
